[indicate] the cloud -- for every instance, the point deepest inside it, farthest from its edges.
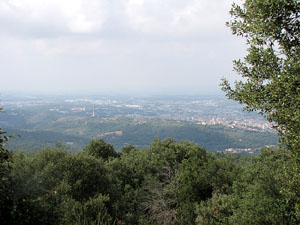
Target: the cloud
(124, 44)
(176, 18)
(155, 17)
(71, 16)
(59, 26)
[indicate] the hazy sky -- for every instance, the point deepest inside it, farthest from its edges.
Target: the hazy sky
(116, 46)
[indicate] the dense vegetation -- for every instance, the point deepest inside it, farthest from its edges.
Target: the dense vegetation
(271, 73)
(167, 183)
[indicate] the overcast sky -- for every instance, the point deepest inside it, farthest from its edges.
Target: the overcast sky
(116, 46)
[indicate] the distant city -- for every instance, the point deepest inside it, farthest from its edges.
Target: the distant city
(197, 109)
(210, 121)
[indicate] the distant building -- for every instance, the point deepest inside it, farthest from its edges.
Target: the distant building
(78, 109)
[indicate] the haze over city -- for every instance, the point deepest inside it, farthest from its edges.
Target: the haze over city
(125, 46)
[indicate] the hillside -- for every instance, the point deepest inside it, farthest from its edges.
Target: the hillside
(76, 132)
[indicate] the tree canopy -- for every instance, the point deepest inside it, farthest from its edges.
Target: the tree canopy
(271, 69)
(271, 76)
(100, 149)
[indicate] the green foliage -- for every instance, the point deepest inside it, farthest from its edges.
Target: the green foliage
(17, 204)
(91, 212)
(272, 75)
(4, 154)
(53, 185)
(256, 196)
(168, 183)
(5, 191)
(161, 184)
(271, 69)
(202, 175)
(127, 149)
(258, 192)
(216, 210)
(100, 149)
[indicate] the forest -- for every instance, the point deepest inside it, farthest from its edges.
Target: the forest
(178, 182)
(167, 183)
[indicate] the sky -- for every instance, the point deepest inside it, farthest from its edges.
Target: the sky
(116, 46)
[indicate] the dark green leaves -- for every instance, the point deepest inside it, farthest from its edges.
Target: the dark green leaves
(271, 68)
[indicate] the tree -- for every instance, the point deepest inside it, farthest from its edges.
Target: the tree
(271, 69)
(255, 197)
(271, 72)
(6, 203)
(100, 149)
(4, 154)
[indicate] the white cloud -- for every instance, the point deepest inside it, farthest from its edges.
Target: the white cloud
(154, 17)
(122, 44)
(76, 16)
(181, 18)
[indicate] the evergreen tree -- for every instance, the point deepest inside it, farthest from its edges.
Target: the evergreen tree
(271, 69)
(271, 73)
